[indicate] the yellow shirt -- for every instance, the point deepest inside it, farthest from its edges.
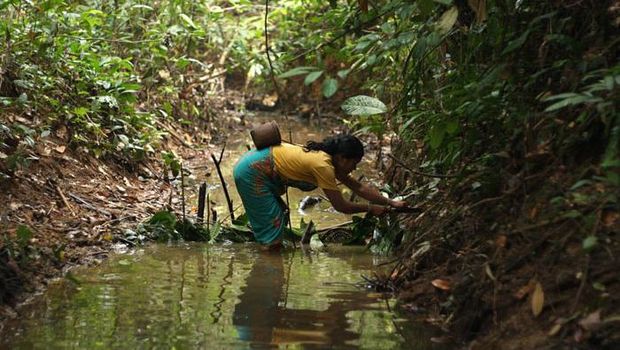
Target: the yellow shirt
(315, 167)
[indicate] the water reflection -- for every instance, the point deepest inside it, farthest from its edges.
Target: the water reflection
(200, 296)
(263, 318)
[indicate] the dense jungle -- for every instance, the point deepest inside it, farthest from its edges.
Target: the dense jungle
(497, 120)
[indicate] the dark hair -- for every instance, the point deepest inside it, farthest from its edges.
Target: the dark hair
(346, 145)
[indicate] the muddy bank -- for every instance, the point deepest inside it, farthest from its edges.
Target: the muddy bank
(69, 208)
(523, 260)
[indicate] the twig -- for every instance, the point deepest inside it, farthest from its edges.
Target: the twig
(273, 78)
(64, 200)
(219, 173)
(173, 133)
(227, 216)
(400, 162)
(88, 205)
(305, 239)
(182, 192)
(208, 214)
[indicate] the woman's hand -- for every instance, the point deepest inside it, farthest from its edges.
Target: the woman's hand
(377, 210)
(398, 204)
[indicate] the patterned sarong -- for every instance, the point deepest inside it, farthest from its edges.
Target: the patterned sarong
(260, 189)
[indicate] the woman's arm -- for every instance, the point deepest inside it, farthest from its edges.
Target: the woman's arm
(344, 206)
(370, 192)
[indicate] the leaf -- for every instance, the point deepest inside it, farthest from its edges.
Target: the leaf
(589, 243)
(330, 86)
(143, 7)
(517, 43)
(296, 71)
(24, 234)
(310, 78)
(501, 241)
(363, 105)
(452, 127)
(592, 321)
(538, 299)
(164, 218)
(571, 101)
(580, 183)
(441, 284)
(555, 329)
(343, 73)
(425, 6)
(447, 20)
(188, 21)
(215, 231)
(436, 136)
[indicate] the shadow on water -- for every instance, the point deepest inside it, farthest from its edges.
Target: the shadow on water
(217, 297)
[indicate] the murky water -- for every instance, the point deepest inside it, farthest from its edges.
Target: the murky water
(199, 296)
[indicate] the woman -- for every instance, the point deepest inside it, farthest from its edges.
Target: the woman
(261, 177)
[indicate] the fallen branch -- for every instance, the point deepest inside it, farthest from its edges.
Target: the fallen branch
(64, 200)
(173, 133)
(88, 205)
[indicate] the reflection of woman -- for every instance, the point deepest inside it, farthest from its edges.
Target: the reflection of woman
(257, 312)
(260, 176)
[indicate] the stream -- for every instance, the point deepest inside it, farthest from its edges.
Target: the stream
(224, 296)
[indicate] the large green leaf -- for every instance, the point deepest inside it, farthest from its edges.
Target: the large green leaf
(330, 86)
(447, 20)
(296, 71)
(310, 78)
(436, 135)
(363, 105)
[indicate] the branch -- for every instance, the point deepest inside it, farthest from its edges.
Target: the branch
(219, 173)
(273, 78)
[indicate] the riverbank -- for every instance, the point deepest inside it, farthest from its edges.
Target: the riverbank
(68, 208)
(524, 260)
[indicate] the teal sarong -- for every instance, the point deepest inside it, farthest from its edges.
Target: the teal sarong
(260, 188)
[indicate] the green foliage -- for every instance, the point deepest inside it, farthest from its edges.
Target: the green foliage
(172, 162)
(363, 105)
(17, 249)
(164, 226)
(109, 70)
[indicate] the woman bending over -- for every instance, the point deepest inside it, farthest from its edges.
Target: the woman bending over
(261, 177)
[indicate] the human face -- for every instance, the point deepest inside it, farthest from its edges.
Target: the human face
(344, 166)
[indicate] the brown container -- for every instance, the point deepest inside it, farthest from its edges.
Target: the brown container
(266, 135)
